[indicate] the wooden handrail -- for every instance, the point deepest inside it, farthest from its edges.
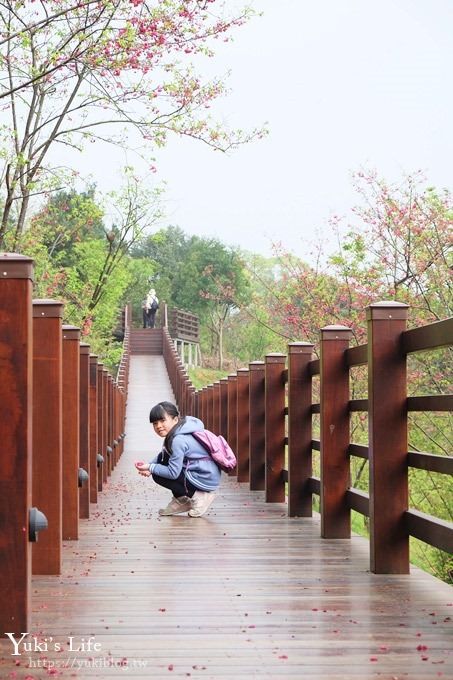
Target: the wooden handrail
(252, 419)
(51, 381)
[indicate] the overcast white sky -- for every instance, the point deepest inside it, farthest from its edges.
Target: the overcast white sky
(342, 84)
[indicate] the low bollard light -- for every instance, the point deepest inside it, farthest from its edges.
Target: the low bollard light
(37, 521)
(82, 476)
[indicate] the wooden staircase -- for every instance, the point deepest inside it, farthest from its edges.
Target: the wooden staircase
(146, 341)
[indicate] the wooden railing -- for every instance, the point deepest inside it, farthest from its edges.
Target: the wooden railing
(266, 412)
(183, 325)
(62, 430)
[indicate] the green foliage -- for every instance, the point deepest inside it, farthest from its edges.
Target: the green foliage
(142, 277)
(247, 337)
(67, 218)
(201, 377)
(75, 263)
(200, 275)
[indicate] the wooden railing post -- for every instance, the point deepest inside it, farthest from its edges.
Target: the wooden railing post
(183, 386)
(107, 449)
(102, 465)
(210, 407)
(335, 479)
(16, 273)
(191, 407)
(196, 404)
(202, 405)
(110, 421)
(232, 412)
(84, 430)
(243, 439)
(224, 407)
(300, 430)
(47, 431)
(71, 427)
(216, 407)
(178, 387)
(275, 427)
(93, 470)
(387, 422)
(256, 425)
(114, 419)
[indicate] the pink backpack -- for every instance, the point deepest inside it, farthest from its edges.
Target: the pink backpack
(218, 448)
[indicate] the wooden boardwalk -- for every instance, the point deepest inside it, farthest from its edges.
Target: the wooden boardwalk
(244, 592)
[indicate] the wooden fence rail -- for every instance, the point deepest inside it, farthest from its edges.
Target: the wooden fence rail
(61, 429)
(267, 411)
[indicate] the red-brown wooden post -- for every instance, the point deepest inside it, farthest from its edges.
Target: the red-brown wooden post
(335, 478)
(186, 392)
(205, 393)
(116, 420)
(243, 439)
(256, 427)
(123, 416)
(16, 273)
(107, 468)
(196, 404)
(109, 387)
(112, 419)
(210, 406)
(108, 421)
(224, 407)
(94, 429)
(216, 407)
(202, 405)
(300, 429)
(275, 365)
(191, 400)
(47, 431)
(232, 412)
(71, 427)
(183, 387)
(180, 388)
(387, 418)
(102, 465)
(84, 429)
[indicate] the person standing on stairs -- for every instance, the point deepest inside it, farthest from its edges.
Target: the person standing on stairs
(151, 306)
(183, 465)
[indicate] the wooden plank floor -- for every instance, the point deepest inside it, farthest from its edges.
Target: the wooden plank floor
(244, 592)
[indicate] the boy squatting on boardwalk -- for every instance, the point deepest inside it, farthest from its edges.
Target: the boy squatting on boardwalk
(183, 465)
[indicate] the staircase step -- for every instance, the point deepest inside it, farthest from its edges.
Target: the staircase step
(146, 341)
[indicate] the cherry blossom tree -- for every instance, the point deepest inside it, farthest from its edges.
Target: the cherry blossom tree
(402, 247)
(73, 72)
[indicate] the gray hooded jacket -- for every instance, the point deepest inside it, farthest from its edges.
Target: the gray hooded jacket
(189, 455)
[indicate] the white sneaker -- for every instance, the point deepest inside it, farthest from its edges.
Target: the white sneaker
(176, 506)
(201, 500)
